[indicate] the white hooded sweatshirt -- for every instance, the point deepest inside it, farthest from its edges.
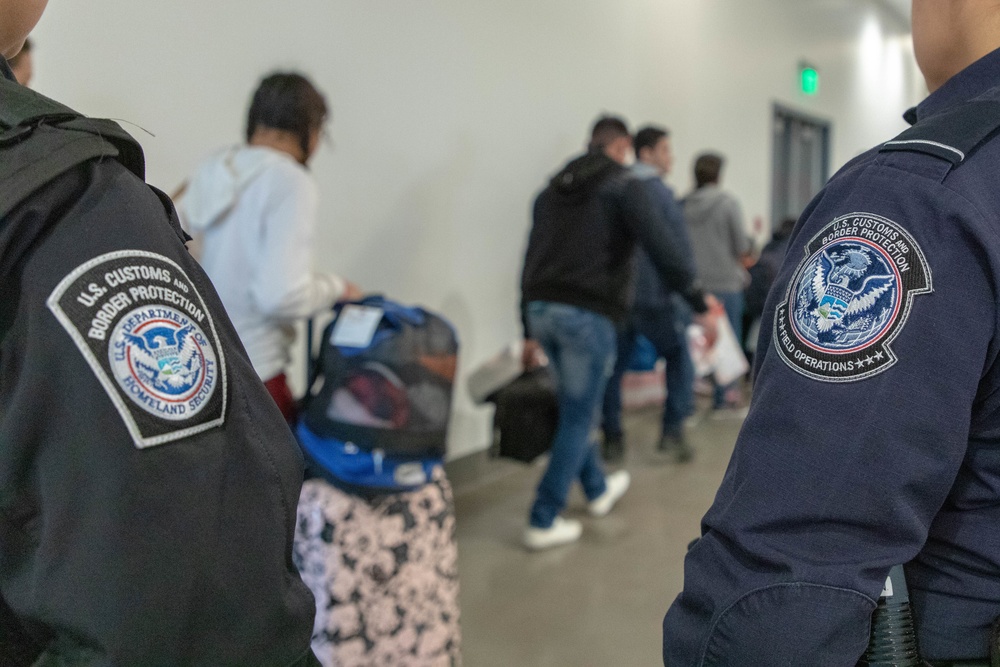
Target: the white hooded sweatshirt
(253, 209)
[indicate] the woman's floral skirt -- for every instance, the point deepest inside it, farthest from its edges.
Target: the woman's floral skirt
(383, 572)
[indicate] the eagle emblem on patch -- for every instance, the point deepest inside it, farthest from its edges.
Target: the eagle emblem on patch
(150, 340)
(163, 360)
(849, 298)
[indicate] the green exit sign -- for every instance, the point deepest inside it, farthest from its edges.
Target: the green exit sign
(809, 79)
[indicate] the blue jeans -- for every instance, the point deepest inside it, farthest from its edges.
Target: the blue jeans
(733, 302)
(665, 329)
(580, 345)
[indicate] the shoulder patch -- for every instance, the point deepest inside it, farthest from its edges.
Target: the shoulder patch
(849, 299)
(146, 333)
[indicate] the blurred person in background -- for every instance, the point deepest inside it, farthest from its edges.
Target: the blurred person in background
(720, 243)
(252, 209)
(762, 276)
(658, 313)
(576, 287)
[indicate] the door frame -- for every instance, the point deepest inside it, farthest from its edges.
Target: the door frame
(824, 125)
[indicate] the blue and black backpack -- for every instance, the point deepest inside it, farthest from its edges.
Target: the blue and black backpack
(375, 417)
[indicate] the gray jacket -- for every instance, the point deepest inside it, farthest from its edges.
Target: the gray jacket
(718, 238)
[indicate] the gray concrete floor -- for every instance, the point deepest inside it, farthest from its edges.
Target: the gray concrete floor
(598, 602)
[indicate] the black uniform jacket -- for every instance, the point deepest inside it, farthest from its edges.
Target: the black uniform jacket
(148, 484)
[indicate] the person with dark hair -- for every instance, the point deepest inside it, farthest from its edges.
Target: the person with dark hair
(22, 65)
(252, 208)
(575, 287)
(610, 134)
(658, 313)
(720, 243)
(287, 102)
(147, 482)
(656, 140)
(873, 438)
(707, 170)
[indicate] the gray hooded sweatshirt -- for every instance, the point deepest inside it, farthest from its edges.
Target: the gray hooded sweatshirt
(718, 239)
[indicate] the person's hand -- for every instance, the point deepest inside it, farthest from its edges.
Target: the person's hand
(714, 305)
(351, 292)
(531, 354)
(709, 320)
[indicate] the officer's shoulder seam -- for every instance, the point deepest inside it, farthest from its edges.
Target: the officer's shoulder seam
(904, 142)
(35, 160)
(953, 134)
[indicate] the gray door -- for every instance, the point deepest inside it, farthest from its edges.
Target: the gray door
(801, 162)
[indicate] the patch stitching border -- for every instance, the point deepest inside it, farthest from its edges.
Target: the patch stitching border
(110, 388)
(901, 318)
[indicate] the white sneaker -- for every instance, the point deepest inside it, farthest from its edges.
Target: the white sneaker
(617, 484)
(562, 531)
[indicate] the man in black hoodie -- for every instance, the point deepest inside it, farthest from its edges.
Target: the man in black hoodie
(148, 484)
(576, 287)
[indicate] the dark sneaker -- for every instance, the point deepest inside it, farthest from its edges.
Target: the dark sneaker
(613, 449)
(675, 447)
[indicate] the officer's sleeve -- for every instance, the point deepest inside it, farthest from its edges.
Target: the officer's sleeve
(147, 481)
(286, 286)
(643, 219)
(882, 323)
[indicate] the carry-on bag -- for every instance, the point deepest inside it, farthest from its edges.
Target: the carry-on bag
(379, 400)
(527, 413)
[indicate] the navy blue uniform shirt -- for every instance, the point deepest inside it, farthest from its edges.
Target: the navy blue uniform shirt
(873, 438)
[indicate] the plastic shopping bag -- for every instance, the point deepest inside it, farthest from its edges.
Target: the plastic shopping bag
(724, 360)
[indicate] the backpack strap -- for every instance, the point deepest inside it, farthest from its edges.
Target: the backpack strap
(41, 139)
(952, 135)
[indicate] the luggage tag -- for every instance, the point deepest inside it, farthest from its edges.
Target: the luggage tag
(356, 326)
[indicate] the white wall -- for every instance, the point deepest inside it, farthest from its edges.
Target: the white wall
(448, 115)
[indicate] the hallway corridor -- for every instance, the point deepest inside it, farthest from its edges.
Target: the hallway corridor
(599, 602)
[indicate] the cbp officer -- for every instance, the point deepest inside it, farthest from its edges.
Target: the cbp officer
(874, 434)
(148, 483)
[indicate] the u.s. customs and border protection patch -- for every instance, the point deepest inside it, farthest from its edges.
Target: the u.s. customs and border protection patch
(145, 331)
(849, 298)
